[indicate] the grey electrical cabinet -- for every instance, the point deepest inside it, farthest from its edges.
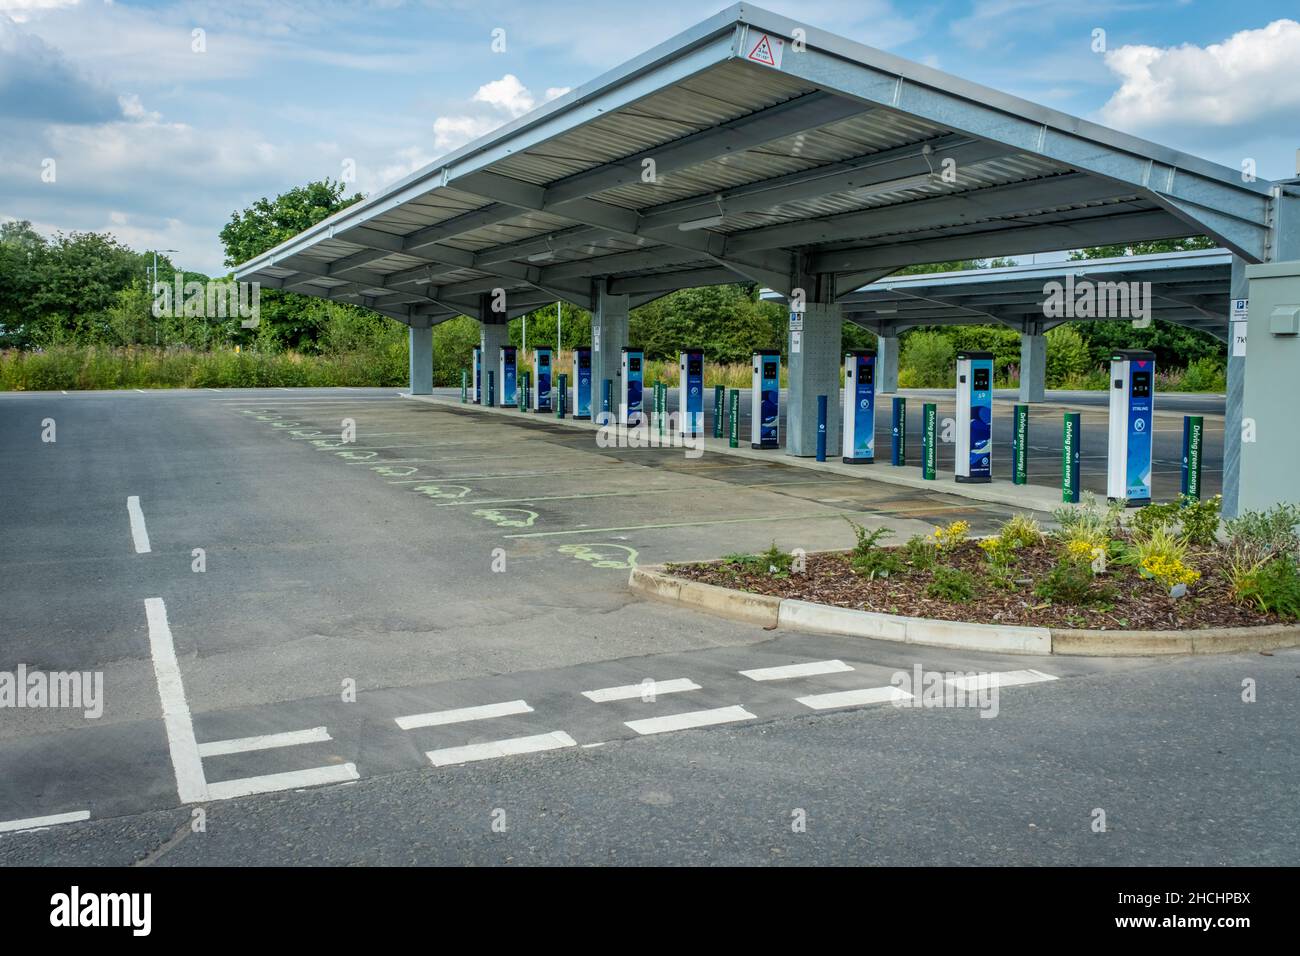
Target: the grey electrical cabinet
(1270, 432)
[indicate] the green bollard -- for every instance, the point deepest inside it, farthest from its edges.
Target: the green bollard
(1070, 442)
(929, 440)
(464, 386)
(719, 399)
(1020, 446)
(735, 418)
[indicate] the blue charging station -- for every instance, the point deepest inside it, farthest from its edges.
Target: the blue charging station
(507, 375)
(582, 382)
(631, 401)
(477, 394)
(765, 400)
(859, 430)
(543, 373)
(974, 455)
(1132, 394)
(690, 395)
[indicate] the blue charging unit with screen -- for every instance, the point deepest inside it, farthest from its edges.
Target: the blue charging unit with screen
(477, 394)
(690, 398)
(974, 455)
(582, 382)
(1132, 394)
(859, 431)
(631, 401)
(765, 400)
(542, 387)
(507, 375)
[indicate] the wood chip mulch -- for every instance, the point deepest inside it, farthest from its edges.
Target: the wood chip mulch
(1137, 604)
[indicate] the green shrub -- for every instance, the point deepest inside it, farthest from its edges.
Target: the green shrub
(1070, 582)
(951, 584)
(1204, 375)
(920, 552)
(929, 360)
(1198, 521)
(1273, 586)
(1088, 522)
(1067, 355)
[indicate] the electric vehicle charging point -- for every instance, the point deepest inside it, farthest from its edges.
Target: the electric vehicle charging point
(765, 400)
(859, 430)
(631, 401)
(582, 382)
(973, 460)
(690, 395)
(477, 394)
(542, 388)
(507, 374)
(1132, 396)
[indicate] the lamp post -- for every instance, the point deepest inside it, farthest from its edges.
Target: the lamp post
(155, 282)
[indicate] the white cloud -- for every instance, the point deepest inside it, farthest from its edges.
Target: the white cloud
(1248, 82)
(507, 95)
(506, 98)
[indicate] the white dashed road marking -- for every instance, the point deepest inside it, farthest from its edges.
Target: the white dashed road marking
(139, 534)
(461, 714)
(217, 748)
(636, 691)
(853, 698)
(999, 679)
(449, 756)
(315, 777)
(810, 669)
(695, 718)
(40, 823)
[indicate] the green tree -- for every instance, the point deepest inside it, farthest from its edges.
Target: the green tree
(268, 222)
(1144, 248)
(288, 320)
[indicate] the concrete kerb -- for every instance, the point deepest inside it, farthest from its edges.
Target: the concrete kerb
(771, 611)
(1022, 497)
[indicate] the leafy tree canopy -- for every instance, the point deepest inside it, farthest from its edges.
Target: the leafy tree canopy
(268, 222)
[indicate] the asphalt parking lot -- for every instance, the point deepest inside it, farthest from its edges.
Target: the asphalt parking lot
(282, 610)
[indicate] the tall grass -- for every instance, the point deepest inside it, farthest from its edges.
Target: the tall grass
(74, 367)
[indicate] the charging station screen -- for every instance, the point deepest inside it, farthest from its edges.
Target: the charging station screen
(695, 385)
(981, 419)
(544, 381)
(770, 404)
(1138, 469)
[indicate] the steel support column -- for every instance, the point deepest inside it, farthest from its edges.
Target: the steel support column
(813, 360)
(421, 356)
(608, 336)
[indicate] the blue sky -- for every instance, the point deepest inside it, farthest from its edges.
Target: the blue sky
(158, 142)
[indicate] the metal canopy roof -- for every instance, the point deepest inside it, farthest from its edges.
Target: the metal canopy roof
(836, 159)
(1188, 288)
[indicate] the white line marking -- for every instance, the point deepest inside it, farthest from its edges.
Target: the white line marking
(35, 823)
(635, 691)
(462, 714)
(999, 679)
(292, 780)
(513, 746)
(853, 698)
(810, 669)
(191, 786)
(695, 718)
(139, 534)
(239, 745)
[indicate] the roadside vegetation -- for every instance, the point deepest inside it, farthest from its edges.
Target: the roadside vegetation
(77, 312)
(1168, 566)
